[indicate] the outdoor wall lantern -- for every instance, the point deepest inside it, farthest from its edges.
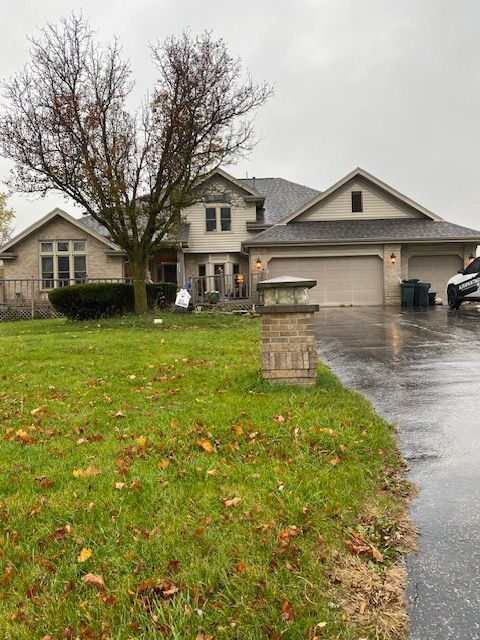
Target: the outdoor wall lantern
(393, 258)
(258, 264)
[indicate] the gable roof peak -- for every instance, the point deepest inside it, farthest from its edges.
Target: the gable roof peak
(358, 171)
(49, 216)
(250, 189)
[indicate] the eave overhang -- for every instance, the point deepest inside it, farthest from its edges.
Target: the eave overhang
(386, 240)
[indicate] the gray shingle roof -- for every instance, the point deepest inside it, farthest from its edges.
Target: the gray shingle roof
(364, 231)
(88, 221)
(281, 196)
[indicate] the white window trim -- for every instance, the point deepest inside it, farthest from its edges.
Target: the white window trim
(218, 217)
(55, 254)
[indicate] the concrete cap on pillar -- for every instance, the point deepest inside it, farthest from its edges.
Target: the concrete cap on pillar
(283, 282)
(285, 294)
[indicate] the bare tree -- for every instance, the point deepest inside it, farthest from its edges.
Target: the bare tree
(67, 127)
(6, 217)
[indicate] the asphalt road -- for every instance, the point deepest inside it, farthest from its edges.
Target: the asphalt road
(421, 370)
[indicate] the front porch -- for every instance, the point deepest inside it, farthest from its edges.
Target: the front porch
(229, 290)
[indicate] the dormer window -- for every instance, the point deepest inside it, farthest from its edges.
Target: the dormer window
(218, 218)
(357, 202)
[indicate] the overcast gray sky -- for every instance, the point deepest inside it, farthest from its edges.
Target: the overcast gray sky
(390, 85)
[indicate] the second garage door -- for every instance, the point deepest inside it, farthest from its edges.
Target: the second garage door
(350, 281)
(434, 269)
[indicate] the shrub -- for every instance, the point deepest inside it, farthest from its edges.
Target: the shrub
(87, 301)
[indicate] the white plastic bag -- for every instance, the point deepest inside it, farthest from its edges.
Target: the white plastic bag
(182, 299)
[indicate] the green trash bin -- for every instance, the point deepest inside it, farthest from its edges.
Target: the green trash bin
(420, 296)
(407, 290)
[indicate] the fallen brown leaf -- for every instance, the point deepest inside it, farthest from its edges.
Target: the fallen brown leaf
(240, 567)
(376, 553)
(287, 611)
(232, 502)
(94, 580)
(173, 565)
(206, 445)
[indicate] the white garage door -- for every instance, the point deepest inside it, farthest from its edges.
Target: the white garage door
(351, 281)
(434, 269)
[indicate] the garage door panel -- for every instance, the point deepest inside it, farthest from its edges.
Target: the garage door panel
(434, 269)
(352, 281)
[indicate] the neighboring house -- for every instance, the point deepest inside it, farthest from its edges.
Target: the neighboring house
(356, 239)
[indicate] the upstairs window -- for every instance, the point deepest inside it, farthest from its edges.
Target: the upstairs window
(211, 218)
(225, 219)
(357, 202)
(218, 218)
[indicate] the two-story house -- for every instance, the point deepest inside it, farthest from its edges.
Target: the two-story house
(357, 239)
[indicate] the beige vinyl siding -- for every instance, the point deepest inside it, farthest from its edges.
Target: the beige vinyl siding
(376, 204)
(27, 264)
(201, 241)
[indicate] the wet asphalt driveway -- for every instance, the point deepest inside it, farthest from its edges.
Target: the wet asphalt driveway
(421, 369)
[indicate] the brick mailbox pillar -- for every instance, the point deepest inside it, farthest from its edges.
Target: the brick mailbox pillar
(289, 353)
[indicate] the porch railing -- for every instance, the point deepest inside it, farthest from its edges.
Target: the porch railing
(224, 288)
(24, 290)
(28, 297)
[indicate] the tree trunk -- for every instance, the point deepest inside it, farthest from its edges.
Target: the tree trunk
(139, 285)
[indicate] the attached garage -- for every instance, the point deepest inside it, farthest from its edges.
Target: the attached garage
(348, 281)
(434, 269)
(358, 238)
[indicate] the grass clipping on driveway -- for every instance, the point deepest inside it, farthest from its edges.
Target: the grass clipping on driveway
(153, 485)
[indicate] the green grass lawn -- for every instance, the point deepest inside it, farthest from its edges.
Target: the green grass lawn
(153, 485)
